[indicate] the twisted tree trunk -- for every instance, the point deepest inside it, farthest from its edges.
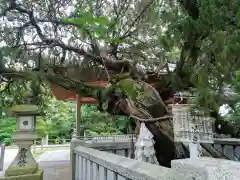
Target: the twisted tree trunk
(148, 106)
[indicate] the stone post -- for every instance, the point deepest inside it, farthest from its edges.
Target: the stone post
(2, 152)
(24, 166)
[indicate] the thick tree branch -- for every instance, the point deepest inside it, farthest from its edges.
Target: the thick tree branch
(109, 63)
(59, 80)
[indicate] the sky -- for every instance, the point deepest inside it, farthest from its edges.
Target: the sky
(224, 109)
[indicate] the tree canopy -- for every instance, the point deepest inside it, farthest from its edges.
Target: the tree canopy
(127, 40)
(200, 37)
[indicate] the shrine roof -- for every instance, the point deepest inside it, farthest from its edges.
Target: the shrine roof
(93, 75)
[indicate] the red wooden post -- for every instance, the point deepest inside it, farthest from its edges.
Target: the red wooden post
(78, 115)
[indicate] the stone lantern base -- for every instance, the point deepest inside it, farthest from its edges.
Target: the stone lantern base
(38, 175)
(24, 166)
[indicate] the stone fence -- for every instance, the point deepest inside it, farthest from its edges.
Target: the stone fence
(118, 144)
(94, 164)
(88, 160)
(121, 145)
(230, 147)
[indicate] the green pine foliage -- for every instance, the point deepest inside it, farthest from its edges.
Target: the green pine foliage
(99, 123)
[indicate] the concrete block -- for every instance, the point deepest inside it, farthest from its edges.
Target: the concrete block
(205, 168)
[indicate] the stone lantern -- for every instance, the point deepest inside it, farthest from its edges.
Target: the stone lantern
(24, 166)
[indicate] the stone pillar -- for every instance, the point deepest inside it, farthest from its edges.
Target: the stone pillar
(24, 166)
(46, 139)
(76, 135)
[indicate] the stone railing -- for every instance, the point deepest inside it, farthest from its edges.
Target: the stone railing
(94, 164)
(120, 145)
(230, 147)
(102, 138)
(123, 145)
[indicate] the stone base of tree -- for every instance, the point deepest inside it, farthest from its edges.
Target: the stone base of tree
(38, 175)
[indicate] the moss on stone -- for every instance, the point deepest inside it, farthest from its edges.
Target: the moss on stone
(15, 171)
(24, 108)
(38, 175)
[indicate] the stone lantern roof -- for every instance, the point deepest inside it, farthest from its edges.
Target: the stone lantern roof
(24, 109)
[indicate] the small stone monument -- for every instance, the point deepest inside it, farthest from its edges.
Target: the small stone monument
(24, 166)
(192, 126)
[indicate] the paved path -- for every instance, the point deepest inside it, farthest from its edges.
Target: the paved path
(56, 170)
(54, 155)
(55, 163)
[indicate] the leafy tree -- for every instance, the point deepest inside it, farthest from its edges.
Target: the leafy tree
(59, 119)
(13, 93)
(233, 114)
(8, 126)
(99, 123)
(190, 32)
(58, 122)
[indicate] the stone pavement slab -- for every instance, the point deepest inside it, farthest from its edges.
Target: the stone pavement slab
(55, 155)
(58, 170)
(55, 165)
